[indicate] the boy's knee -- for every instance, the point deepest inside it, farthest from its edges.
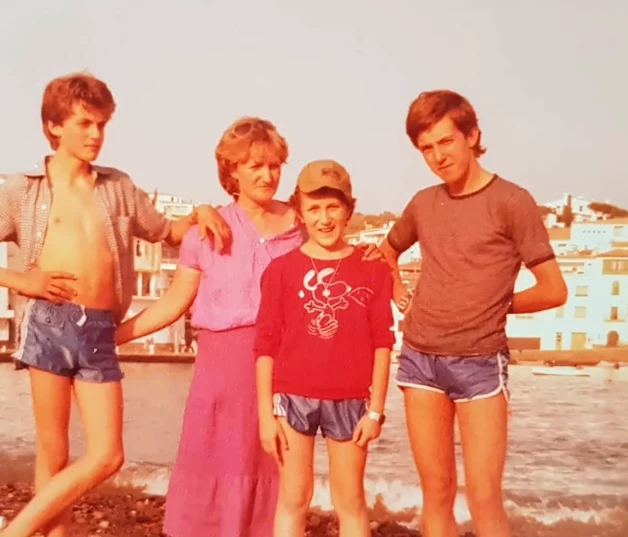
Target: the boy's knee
(53, 456)
(107, 462)
(441, 492)
(296, 500)
(484, 498)
(349, 502)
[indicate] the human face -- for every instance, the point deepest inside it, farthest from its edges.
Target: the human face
(447, 151)
(325, 217)
(82, 134)
(258, 177)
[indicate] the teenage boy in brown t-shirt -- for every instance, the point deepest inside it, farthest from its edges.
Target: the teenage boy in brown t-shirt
(475, 231)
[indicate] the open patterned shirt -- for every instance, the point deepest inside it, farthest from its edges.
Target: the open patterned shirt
(127, 211)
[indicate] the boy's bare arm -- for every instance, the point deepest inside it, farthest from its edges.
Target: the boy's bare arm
(152, 226)
(264, 372)
(210, 224)
(379, 386)
(548, 292)
(37, 284)
(177, 300)
(401, 295)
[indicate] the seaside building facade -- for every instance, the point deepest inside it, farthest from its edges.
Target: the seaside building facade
(592, 253)
(154, 269)
(593, 257)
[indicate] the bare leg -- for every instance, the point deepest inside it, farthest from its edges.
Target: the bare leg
(296, 485)
(346, 475)
(100, 406)
(430, 422)
(52, 401)
(484, 435)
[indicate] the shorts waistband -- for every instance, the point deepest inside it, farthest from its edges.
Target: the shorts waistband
(70, 309)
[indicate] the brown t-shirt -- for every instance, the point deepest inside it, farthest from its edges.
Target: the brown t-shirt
(472, 248)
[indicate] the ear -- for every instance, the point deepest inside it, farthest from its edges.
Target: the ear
(473, 137)
(55, 129)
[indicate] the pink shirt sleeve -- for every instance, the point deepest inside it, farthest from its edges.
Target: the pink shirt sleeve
(190, 251)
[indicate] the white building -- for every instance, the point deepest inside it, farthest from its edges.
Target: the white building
(172, 206)
(596, 312)
(377, 235)
(6, 313)
(579, 207)
(599, 236)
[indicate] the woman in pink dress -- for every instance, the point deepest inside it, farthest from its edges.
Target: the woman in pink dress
(223, 483)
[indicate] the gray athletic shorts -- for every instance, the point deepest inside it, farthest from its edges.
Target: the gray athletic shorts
(461, 378)
(69, 340)
(336, 419)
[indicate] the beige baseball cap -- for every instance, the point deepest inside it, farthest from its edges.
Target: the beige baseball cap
(325, 173)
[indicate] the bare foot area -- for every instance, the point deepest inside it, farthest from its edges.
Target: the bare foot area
(131, 513)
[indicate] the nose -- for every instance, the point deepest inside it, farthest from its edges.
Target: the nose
(439, 155)
(325, 217)
(96, 132)
(265, 175)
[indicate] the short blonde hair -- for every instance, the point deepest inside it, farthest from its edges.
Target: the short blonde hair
(237, 143)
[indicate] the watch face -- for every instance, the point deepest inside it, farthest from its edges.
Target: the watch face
(376, 416)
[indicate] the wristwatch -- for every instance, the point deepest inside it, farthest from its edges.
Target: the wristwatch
(377, 417)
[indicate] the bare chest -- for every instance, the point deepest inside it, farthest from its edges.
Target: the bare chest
(76, 215)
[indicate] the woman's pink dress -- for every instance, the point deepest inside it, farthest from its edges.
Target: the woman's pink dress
(223, 483)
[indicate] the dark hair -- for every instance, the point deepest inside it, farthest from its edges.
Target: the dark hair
(432, 106)
(61, 94)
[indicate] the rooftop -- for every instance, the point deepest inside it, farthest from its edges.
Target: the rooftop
(608, 222)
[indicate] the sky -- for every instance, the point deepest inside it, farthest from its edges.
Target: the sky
(548, 79)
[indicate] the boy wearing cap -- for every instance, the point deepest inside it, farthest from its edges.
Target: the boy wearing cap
(475, 231)
(323, 345)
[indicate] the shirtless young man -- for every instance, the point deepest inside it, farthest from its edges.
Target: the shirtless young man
(75, 224)
(475, 231)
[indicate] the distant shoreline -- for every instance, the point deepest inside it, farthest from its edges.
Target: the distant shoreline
(528, 357)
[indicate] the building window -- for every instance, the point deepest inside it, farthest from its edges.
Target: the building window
(138, 248)
(614, 316)
(146, 277)
(580, 312)
(560, 312)
(615, 289)
(582, 290)
(559, 341)
(615, 266)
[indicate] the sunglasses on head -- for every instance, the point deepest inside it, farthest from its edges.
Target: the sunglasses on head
(245, 128)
